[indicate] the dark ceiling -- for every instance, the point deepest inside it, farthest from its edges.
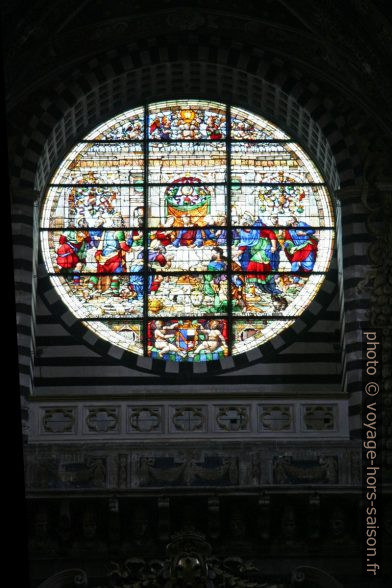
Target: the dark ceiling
(344, 48)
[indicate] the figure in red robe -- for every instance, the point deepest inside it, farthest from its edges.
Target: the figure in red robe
(300, 247)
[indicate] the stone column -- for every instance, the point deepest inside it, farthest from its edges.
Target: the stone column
(354, 266)
(365, 269)
(381, 307)
(25, 249)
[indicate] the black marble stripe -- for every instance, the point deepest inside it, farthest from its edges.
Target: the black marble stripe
(23, 239)
(360, 303)
(354, 409)
(286, 359)
(23, 309)
(23, 264)
(23, 286)
(358, 238)
(182, 378)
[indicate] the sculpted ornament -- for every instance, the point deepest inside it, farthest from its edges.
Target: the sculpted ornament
(189, 472)
(190, 562)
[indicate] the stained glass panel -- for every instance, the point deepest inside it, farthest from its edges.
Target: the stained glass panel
(187, 120)
(246, 126)
(207, 229)
(266, 162)
(280, 205)
(123, 333)
(89, 250)
(193, 250)
(205, 162)
(99, 296)
(93, 206)
(189, 294)
(104, 163)
(128, 125)
(188, 339)
(263, 293)
(247, 334)
(296, 247)
(187, 202)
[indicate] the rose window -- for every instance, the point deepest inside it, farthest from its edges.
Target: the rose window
(187, 231)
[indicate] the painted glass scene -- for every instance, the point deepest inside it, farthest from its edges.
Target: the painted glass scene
(187, 231)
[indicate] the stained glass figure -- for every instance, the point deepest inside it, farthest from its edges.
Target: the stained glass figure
(187, 230)
(187, 339)
(128, 125)
(187, 120)
(246, 126)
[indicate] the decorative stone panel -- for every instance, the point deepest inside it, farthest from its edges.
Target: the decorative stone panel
(317, 417)
(275, 418)
(100, 419)
(71, 470)
(232, 418)
(59, 420)
(145, 419)
(319, 470)
(188, 419)
(123, 470)
(238, 463)
(204, 470)
(257, 419)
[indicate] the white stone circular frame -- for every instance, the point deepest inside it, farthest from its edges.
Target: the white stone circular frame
(240, 170)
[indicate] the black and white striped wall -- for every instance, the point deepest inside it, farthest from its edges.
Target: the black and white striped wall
(67, 362)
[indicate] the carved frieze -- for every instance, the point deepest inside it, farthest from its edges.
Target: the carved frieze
(123, 470)
(287, 470)
(241, 465)
(208, 470)
(68, 471)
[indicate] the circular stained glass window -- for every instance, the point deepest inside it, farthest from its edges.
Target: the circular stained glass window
(187, 231)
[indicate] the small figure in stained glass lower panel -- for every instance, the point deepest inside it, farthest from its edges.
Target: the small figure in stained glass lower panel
(187, 340)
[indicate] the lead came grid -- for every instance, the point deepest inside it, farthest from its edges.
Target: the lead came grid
(222, 188)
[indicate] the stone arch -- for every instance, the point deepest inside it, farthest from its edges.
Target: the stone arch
(258, 81)
(251, 79)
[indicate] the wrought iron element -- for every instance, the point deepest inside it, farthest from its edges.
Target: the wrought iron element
(190, 563)
(311, 576)
(71, 578)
